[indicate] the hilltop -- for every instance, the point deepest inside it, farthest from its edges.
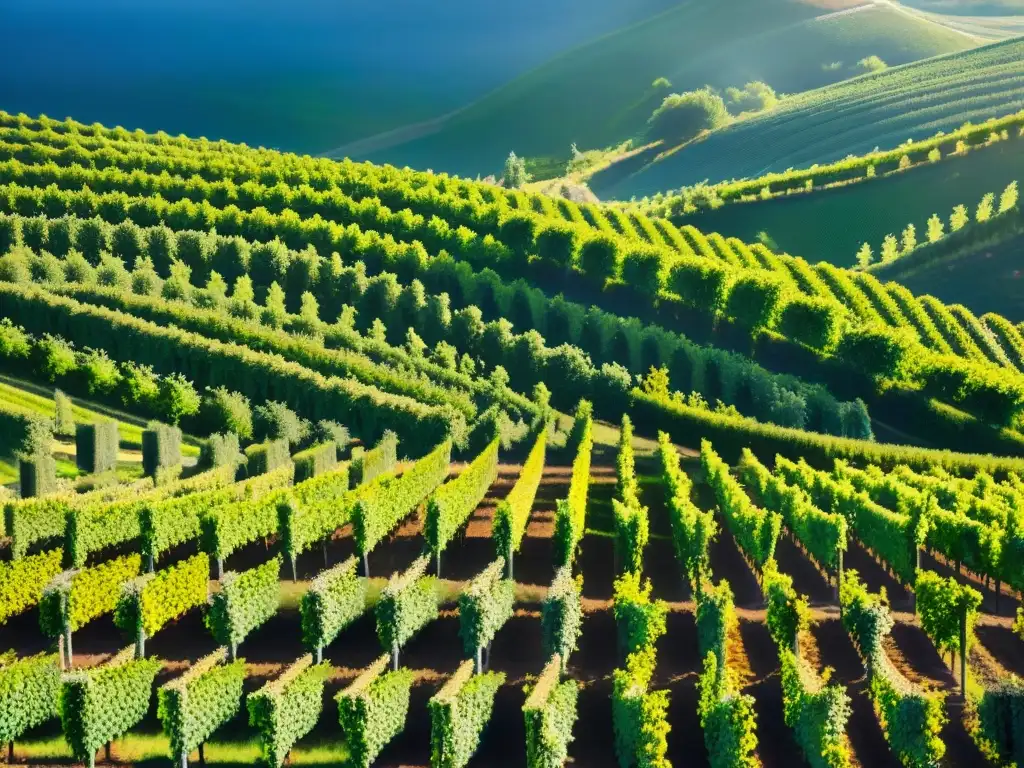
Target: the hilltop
(600, 93)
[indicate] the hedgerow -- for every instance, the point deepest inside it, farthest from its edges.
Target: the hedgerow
(731, 434)
(286, 709)
(894, 537)
(161, 450)
(693, 529)
(788, 614)
(450, 506)
(266, 457)
(335, 599)
(571, 512)
(194, 705)
(726, 716)
(378, 460)
(817, 713)
(96, 447)
(513, 512)
(640, 620)
(313, 510)
(250, 372)
(373, 710)
(823, 534)
(639, 715)
(166, 524)
(484, 607)
(550, 714)
(459, 712)
(388, 499)
(561, 614)
(756, 530)
(147, 603)
(911, 720)
(29, 688)
(245, 601)
(315, 460)
(408, 603)
(23, 581)
(76, 597)
(101, 703)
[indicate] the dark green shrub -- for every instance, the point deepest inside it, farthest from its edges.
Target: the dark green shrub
(754, 300)
(224, 411)
(558, 243)
(878, 350)
(96, 447)
(812, 321)
(37, 475)
(599, 258)
(701, 283)
(641, 269)
(161, 449)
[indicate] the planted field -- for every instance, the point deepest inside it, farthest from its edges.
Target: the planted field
(395, 547)
(883, 110)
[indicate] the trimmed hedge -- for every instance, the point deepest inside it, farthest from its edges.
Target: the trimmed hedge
(96, 447)
(816, 712)
(513, 512)
(76, 597)
(373, 710)
(788, 614)
(101, 703)
(23, 581)
(693, 529)
(194, 705)
(639, 620)
(571, 512)
(225, 529)
(313, 510)
(1000, 728)
(245, 601)
(169, 523)
(561, 614)
(450, 506)
(382, 458)
(149, 602)
(37, 475)
(388, 499)
(408, 603)
(639, 715)
(459, 712)
(29, 688)
(484, 607)
(911, 719)
(266, 457)
(550, 714)
(161, 450)
(286, 709)
(335, 599)
(315, 461)
(731, 434)
(756, 530)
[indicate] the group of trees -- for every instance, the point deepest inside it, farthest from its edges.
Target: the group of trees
(683, 116)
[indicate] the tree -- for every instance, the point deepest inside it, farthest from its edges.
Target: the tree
(682, 116)
(890, 248)
(223, 411)
(753, 97)
(515, 172)
(177, 398)
(958, 219)
(909, 239)
(935, 155)
(865, 256)
(870, 64)
(1009, 198)
(984, 212)
(276, 421)
(661, 82)
(935, 229)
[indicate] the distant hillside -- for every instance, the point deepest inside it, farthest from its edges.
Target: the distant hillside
(600, 93)
(878, 110)
(304, 76)
(832, 223)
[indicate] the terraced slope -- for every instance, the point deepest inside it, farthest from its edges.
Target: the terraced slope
(825, 125)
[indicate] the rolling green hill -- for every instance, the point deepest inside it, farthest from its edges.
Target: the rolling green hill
(600, 93)
(878, 110)
(831, 224)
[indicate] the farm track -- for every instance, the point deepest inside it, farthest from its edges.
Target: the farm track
(437, 651)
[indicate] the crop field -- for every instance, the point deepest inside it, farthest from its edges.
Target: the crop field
(845, 217)
(483, 478)
(883, 110)
(601, 93)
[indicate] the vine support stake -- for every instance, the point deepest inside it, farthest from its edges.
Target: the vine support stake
(10, 752)
(326, 561)
(295, 569)
(150, 562)
(439, 563)
(509, 559)
(183, 762)
(67, 645)
(202, 755)
(963, 654)
(479, 659)
(220, 568)
(394, 657)
(319, 654)
(140, 644)
(366, 564)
